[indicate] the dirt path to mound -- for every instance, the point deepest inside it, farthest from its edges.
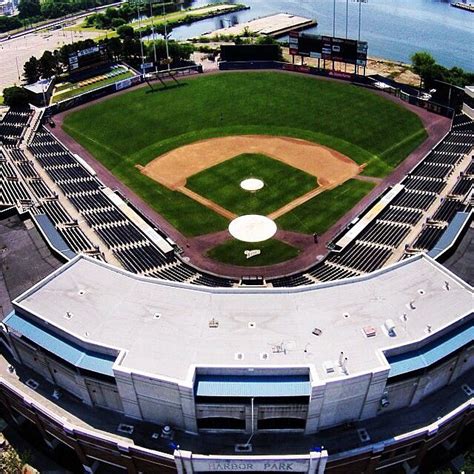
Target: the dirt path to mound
(329, 166)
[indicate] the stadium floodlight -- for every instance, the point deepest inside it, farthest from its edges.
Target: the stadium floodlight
(153, 36)
(140, 32)
(166, 35)
(360, 2)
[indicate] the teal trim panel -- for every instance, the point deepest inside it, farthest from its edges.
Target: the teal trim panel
(61, 347)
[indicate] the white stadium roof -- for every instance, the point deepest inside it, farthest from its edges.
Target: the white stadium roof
(163, 328)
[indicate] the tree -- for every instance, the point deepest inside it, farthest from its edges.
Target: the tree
(31, 70)
(423, 63)
(117, 22)
(114, 47)
(125, 31)
(48, 65)
(29, 8)
(8, 23)
(15, 96)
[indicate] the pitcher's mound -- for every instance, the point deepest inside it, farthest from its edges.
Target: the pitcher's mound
(252, 228)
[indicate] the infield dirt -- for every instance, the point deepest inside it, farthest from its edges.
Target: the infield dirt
(173, 168)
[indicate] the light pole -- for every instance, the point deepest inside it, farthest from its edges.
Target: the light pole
(140, 32)
(334, 19)
(153, 35)
(347, 18)
(360, 15)
(17, 70)
(166, 37)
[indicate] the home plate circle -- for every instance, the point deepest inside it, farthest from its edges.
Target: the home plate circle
(252, 184)
(252, 228)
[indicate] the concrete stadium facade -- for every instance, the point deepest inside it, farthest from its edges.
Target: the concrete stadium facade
(247, 361)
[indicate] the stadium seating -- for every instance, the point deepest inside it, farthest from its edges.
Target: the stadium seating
(126, 241)
(14, 125)
(23, 186)
(422, 186)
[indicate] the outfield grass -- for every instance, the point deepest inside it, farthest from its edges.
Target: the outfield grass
(364, 126)
(282, 184)
(318, 214)
(273, 251)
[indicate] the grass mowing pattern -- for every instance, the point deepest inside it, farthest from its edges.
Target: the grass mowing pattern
(321, 212)
(221, 184)
(356, 122)
(273, 251)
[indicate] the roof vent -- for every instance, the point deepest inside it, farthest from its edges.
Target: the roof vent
(68, 315)
(329, 367)
(213, 323)
(264, 355)
(81, 292)
(252, 325)
(411, 305)
(447, 286)
(156, 315)
(421, 291)
(317, 331)
(346, 315)
(239, 356)
(369, 331)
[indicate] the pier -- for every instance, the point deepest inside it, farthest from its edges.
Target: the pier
(272, 25)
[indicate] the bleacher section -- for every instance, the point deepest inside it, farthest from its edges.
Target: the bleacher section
(413, 220)
(422, 186)
(132, 248)
(14, 125)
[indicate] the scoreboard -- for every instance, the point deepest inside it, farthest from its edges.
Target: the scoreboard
(87, 58)
(328, 47)
(250, 52)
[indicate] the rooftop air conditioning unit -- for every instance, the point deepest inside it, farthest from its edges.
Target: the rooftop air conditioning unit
(390, 327)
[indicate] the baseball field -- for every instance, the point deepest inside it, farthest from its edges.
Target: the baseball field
(184, 149)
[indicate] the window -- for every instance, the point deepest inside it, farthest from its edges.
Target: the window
(281, 424)
(221, 423)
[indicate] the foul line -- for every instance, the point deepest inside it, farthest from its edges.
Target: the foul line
(208, 203)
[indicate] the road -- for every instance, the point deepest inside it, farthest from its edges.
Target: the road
(16, 50)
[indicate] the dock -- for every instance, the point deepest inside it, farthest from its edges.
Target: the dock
(275, 25)
(464, 6)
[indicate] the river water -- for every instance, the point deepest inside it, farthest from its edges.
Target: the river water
(394, 29)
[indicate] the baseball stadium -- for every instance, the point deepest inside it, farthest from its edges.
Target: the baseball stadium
(244, 270)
